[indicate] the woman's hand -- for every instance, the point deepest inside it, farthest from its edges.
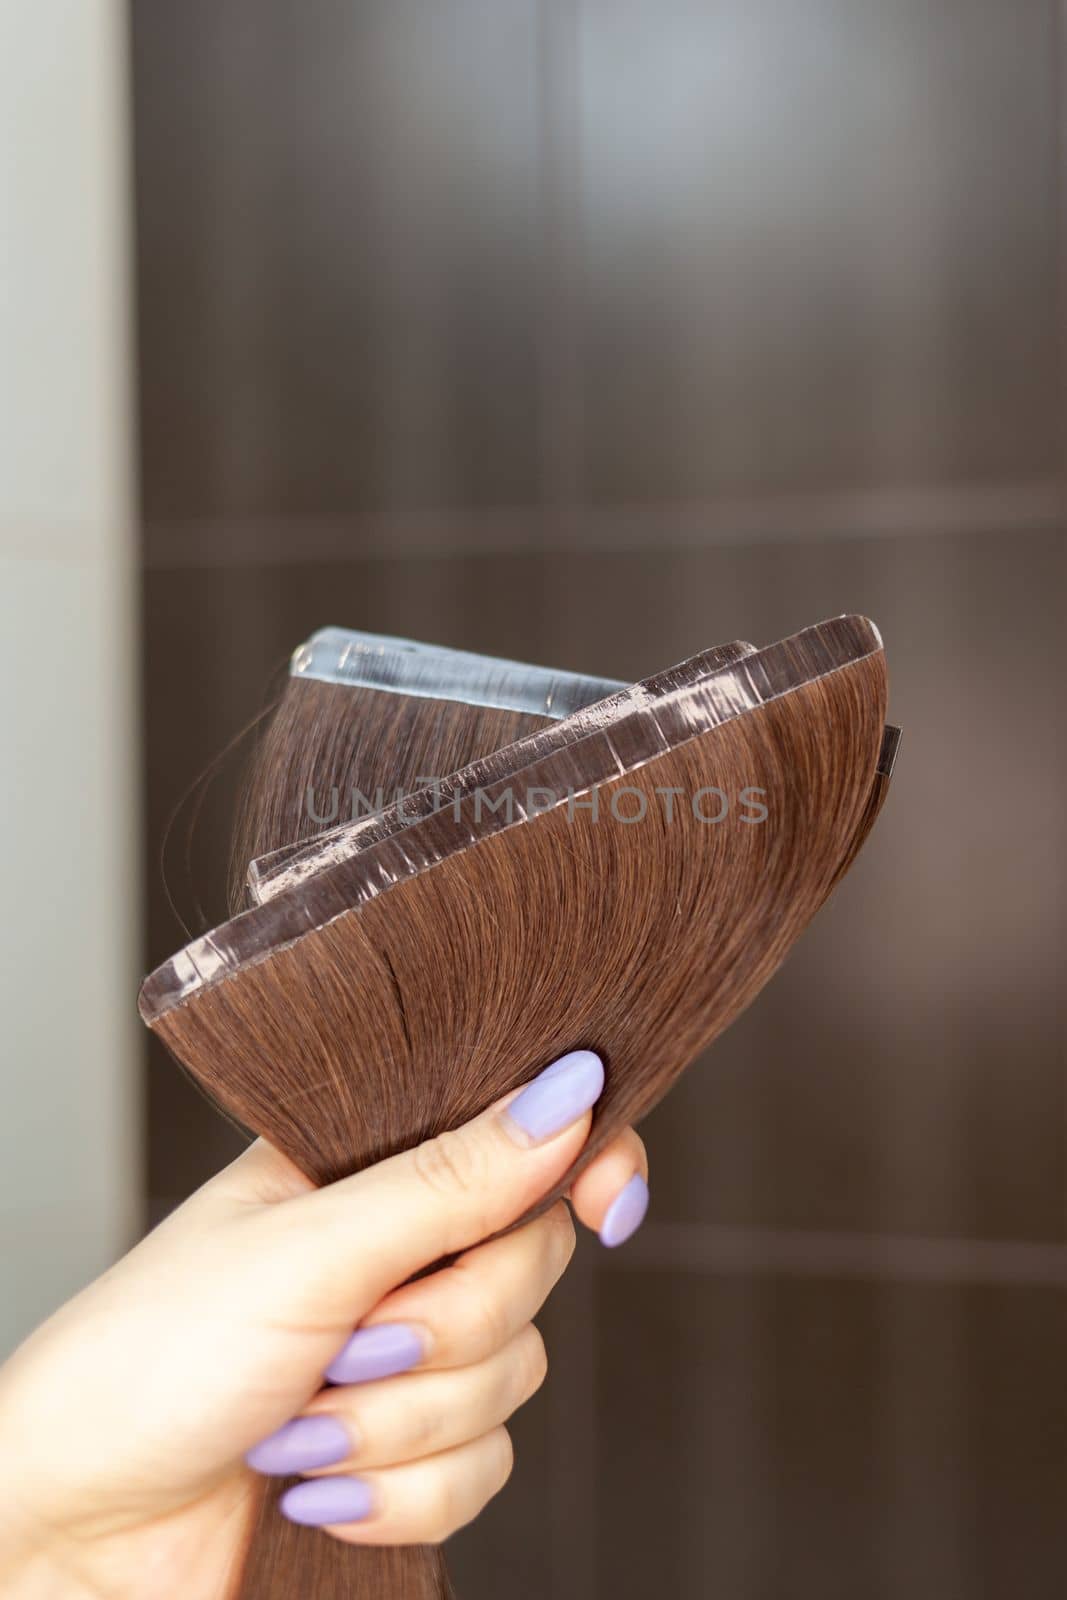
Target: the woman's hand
(126, 1420)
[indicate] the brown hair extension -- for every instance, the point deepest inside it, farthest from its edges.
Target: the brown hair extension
(299, 747)
(326, 739)
(398, 993)
(335, 731)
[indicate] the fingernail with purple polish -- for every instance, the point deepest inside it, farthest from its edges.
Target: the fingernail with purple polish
(625, 1213)
(556, 1098)
(302, 1444)
(322, 1502)
(378, 1352)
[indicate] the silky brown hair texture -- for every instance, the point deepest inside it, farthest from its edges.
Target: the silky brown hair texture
(408, 1016)
(327, 740)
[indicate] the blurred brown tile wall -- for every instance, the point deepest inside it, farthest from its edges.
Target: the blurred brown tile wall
(595, 332)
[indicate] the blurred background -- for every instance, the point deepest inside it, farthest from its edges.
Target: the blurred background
(590, 332)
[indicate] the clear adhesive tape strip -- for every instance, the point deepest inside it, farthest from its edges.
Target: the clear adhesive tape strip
(434, 672)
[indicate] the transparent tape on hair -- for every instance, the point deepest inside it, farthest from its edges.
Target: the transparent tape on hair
(616, 734)
(597, 703)
(436, 672)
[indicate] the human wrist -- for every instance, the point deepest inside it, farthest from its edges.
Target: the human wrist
(39, 1564)
(33, 1576)
(31, 1562)
(28, 1571)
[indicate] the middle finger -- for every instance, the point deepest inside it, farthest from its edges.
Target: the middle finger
(404, 1418)
(463, 1313)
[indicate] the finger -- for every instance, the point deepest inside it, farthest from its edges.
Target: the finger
(403, 1419)
(341, 1248)
(464, 1312)
(611, 1195)
(421, 1502)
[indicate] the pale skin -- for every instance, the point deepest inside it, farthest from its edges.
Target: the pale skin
(125, 1419)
